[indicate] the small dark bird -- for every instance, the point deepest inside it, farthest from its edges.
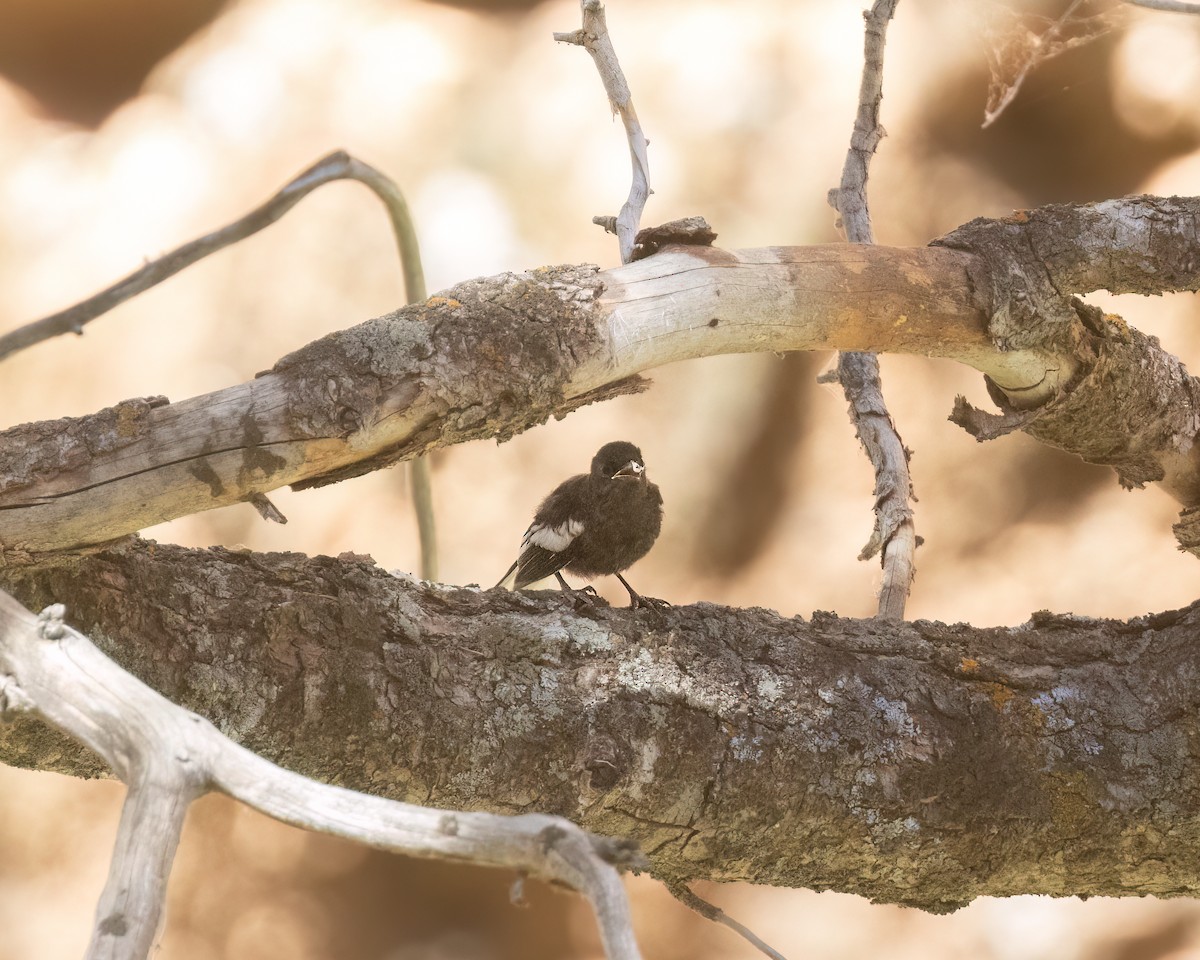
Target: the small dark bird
(595, 523)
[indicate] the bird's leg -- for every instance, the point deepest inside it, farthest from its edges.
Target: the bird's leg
(636, 600)
(584, 596)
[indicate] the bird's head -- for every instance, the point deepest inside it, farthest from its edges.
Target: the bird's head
(619, 460)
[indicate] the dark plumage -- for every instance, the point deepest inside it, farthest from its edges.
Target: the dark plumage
(595, 523)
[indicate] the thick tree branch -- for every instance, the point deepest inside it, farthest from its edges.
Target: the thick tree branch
(491, 357)
(169, 756)
(919, 763)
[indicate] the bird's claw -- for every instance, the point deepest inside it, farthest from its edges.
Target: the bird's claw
(586, 598)
(638, 602)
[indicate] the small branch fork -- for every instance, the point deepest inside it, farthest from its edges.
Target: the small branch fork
(858, 373)
(593, 37)
(168, 757)
(338, 165)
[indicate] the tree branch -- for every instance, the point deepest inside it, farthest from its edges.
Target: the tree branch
(339, 165)
(594, 38)
(169, 756)
(491, 357)
(893, 536)
(918, 763)
(1168, 6)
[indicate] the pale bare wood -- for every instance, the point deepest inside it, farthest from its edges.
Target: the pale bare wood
(494, 356)
(390, 388)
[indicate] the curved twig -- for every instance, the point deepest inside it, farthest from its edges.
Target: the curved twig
(337, 166)
(593, 37)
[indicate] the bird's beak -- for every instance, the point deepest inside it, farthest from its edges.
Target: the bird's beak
(631, 469)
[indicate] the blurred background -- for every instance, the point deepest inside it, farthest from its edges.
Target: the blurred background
(129, 127)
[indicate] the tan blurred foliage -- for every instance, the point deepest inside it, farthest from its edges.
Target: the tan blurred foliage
(503, 143)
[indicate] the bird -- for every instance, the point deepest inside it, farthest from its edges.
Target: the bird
(592, 524)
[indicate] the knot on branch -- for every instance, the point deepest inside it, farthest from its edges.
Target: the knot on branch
(1132, 404)
(690, 231)
(1036, 258)
(1028, 309)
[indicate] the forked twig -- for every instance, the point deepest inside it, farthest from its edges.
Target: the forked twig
(894, 534)
(593, 37)
(168, 757)
(338, 165)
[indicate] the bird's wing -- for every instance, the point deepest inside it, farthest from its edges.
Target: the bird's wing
(548, 544)
(545, 550)
(511, 571)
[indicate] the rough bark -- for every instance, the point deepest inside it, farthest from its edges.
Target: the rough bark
(918, 763)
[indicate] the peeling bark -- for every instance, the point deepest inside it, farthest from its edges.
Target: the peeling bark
(917, 763)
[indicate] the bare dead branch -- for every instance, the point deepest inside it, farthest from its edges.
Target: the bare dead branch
(489, 358)
(594, 38)
(710, 911)
(169, 756)
(893, 535)
(440, 372)
(1168, 6)
(850, 197)
(337, 166)
(130, 914)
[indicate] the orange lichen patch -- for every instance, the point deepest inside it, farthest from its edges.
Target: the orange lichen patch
(1001, 695)
(969, 665)
(1017, 216)
(443, 301)
(1118, 327)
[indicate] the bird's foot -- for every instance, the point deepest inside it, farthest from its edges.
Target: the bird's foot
(587, 597)
(638, 602)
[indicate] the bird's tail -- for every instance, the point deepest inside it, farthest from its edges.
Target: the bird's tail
(504, 579)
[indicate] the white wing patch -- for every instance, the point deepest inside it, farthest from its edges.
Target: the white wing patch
(554, 539)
